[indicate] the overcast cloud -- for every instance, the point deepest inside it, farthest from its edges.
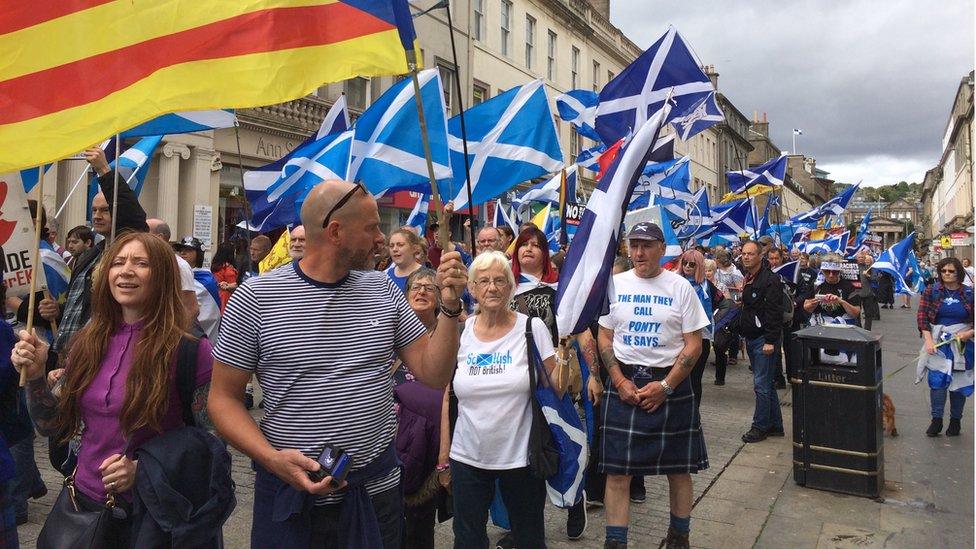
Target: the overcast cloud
(870, 83)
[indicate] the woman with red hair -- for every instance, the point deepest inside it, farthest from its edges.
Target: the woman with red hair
(692, 267)
(535, 278)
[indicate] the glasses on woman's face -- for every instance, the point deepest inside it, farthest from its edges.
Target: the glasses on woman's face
(691, 264)
(483, 283)
(947, 271)
(423, 288)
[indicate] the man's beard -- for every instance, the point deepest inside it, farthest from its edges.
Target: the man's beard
(357, 260)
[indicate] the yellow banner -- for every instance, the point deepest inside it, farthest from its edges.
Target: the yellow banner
(278, 255)
(753, 192)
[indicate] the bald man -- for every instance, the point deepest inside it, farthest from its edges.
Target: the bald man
(320, 334)
(489, 240)
(129, 217)
(296, 243)
(259, 249)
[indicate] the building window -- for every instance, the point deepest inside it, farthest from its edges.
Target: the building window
(479, 18)
(506, 26)
(357, 93)
(610, 76)
(596, 76)
(479, 93)
(574, 66)
(529, 41)
(447, 82)
(551, 57)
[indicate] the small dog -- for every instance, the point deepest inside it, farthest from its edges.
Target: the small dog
(888, 415)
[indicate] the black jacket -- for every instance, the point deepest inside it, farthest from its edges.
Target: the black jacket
(762, 307)
(183, 492)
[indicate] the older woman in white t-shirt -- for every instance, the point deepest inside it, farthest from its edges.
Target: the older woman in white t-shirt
(491, 437)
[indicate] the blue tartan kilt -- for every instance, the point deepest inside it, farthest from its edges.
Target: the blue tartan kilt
(667, 441)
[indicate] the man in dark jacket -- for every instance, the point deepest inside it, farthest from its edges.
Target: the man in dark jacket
(129, 217)
(761, 324)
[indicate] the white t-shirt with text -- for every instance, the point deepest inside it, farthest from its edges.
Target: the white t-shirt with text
(492, 387)
(649, 315)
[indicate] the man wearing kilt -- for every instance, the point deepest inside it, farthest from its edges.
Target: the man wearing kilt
(649, 343)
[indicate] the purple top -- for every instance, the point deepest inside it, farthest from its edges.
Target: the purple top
(101, 406)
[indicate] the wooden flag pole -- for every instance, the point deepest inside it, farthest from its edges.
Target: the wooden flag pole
(115, 190)
(36, 263)
(443, 231)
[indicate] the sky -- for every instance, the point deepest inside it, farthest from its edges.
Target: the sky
(869, 82)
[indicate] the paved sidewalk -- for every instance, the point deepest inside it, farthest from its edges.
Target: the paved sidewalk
(747, 498)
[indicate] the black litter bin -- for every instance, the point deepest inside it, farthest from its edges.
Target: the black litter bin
(837, 435)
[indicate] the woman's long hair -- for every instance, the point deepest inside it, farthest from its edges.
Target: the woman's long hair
(148, 384)
(223, 256)
(549, 274)
(696, 257)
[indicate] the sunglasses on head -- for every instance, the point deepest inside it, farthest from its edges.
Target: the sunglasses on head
(342, 202)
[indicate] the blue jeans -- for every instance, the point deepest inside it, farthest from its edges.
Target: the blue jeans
(768, 416)
(524, 497)
(956, 403)
(28, 478)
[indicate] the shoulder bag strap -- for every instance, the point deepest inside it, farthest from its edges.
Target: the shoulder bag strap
(186, 369)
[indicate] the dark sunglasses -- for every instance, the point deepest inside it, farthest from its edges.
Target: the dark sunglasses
(342, 202)
(691, 264)
(947, 271)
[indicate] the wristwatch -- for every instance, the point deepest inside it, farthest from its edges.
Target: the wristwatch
(667, 388)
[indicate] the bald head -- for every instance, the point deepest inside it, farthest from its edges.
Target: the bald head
(320, 201)
(352, 237)
(159, 228)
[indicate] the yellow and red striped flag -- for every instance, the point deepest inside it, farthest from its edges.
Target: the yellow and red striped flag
(73, 72)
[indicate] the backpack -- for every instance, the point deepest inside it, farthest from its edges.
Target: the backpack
(186, 373)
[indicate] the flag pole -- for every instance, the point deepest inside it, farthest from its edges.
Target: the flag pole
(563, 197)
(443, 234)
(742, 172)
(72, 191)
(115, 185)
(464, 132)
(36, 260)
(247, 204)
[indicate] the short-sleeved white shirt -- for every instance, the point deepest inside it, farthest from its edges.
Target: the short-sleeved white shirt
(187, 283)
(649, 315)
(492, 387)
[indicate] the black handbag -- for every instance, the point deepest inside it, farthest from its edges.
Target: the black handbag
(68, 526)
(543, 453)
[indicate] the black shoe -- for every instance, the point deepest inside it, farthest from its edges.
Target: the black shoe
(638, 493)
(506, 542)
(776, 432)
(754, 435)
(39, 491)
(780, 383)
(953, 430)
(614, 544)
(21, 518)
(676, 540)
(248, 401)
(576, 521)
(935, 427)
(719, 382)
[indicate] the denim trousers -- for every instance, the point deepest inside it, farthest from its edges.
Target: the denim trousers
(524, 497)
(768, 415)
(956, 403)
(27, 477)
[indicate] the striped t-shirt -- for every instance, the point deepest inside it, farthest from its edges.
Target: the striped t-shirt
(322, 354)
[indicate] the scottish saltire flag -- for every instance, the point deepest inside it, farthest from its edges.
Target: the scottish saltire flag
(28, 178)
(783, 232)
(895, 261)
(703, 114)
(502, 218)
(862, 230)
(511, 138)
(735, 222)
(56, 272)
(835, 206)
(585, 276)
(134, 162)
(789, 271)
(836, 243)
(276, 191)
(590, 158)
(699, 216)
(184, 122)
(669, 179)
(676, 207)
(418, 215)
(578, 107)
(771, 174)
(548, 191)
(951, 367)
(387, 153)
(672, 246)
(913, 280)
(553, 230)
(640, 90)
(208, 297)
